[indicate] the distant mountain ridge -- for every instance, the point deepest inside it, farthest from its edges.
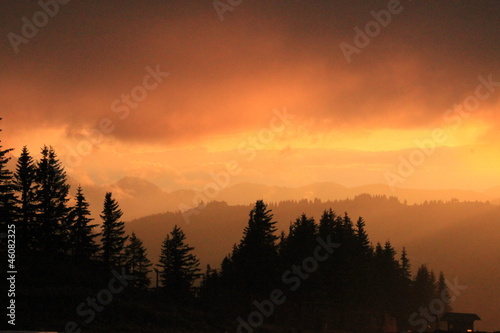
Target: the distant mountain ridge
(139, 197)
(332, 191)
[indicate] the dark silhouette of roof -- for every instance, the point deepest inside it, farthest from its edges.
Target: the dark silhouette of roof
(455, 316)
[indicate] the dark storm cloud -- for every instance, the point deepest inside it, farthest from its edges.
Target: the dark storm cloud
(226, 76)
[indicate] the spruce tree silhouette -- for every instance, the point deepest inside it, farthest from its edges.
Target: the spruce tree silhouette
(403, 301)
(405, 266)
(113, 238)
(253, 263)
(443, 293)
(51, 199)
(137, 263)
(25, 184)
(363, 246)
(423, 287)
(82, 243)
(326, 223)
(179, 268)
(300, 242)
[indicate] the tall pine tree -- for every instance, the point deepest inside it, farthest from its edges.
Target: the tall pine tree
(113, 238)
(363, 246)
(253, 263)
(137, 262)
(423, 286)
(51, 197)
(179, 267)
(83, 245)
(300, 242)
(327, 223)
(25, 184)
(405, 266)
(443, 293)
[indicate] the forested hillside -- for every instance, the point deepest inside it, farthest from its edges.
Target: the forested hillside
(458, 237)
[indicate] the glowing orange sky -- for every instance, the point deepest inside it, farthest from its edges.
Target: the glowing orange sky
(351, 121)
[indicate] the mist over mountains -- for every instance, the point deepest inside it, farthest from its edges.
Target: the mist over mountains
(139, 197)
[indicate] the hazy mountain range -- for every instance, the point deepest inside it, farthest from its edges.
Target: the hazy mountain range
(139, 197)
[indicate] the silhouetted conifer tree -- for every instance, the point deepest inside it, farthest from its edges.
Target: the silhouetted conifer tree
(328, 269)
(179, 267)
(362, 241)
(443, 293)
(362, 256)
(137, 262)
(253, 262)
(51, 227)
(403, 303)
(112, 235)
(343, 262)
(385, 274)
(392, 278)
(424, 287)
(405, 266)
(300, 242)
(327, 223)
(26, 187)
(83, 245)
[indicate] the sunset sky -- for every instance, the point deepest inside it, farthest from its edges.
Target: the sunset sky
(267, 87)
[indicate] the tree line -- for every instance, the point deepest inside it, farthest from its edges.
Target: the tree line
(35, 198)
(58, 245)
(354, 288)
